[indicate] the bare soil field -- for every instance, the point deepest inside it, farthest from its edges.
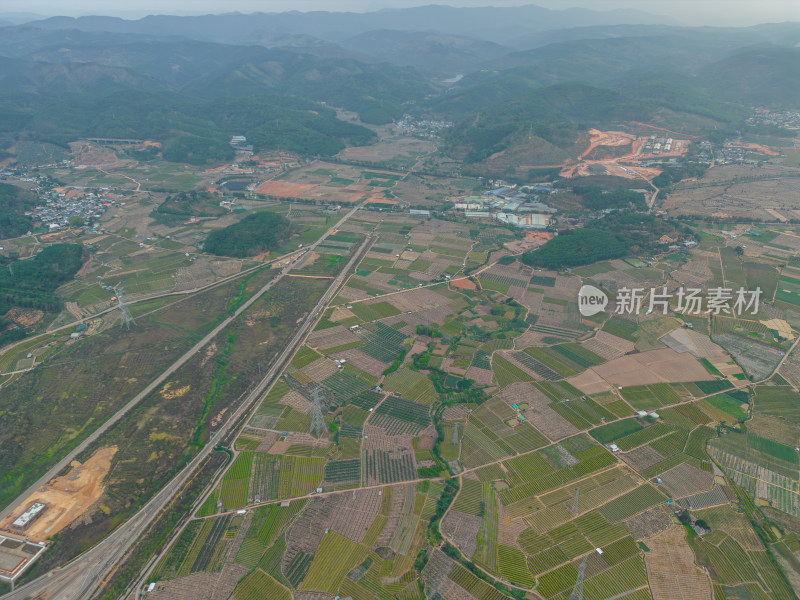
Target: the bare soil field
(757, 358)
(354, 513)
(386, 150)
(653, 366)
(87, 156)
(295, 438)
(331, 337)
(297, 401)
(790, 369)
(456, 413)
(361, 361)
(671, 571)
(608, 346)
(530, 337)
(785, 239)
(66, 497)
(684, 480)
(196, 586)
(693, 273)
(590, 382)
(607, 138)
(462, 529)
(24, 317)
(320, 369)
(538, 413)
(718, 194)
(648, 523)
(694, 342)
(480, 376)
(642, 458)
(418, 300)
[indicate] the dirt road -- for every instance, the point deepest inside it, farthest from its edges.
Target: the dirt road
(78, 579)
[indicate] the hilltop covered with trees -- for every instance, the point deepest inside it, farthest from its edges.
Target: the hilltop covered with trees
(32, 283)
(256, 233)
(595, 197)
(613, 236)
(193, 203)
(14, 202)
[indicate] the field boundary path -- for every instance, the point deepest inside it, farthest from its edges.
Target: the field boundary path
(78, 579)
(144, 298)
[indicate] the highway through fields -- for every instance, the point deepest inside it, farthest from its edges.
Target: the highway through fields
(140, 299)
(78, 579)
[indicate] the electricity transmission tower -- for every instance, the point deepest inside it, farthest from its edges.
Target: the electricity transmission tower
(127, 318)
(575, 502)
(577, 591)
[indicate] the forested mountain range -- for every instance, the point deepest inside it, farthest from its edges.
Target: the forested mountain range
(166, 77)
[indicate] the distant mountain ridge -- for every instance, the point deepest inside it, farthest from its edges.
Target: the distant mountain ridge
(279, 83)
(496, 24)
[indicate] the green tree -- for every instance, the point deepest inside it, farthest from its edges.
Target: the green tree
(256, 233)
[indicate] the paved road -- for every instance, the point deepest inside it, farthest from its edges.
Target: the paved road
(137, 300)
(78, 579)
(60, 465)
(140, 396)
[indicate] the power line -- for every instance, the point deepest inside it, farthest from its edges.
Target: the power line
(125, 313)
(575, 502)
(577, 590)
(318, 410)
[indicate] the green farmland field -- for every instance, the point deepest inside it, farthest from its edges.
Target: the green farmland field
(335, 556)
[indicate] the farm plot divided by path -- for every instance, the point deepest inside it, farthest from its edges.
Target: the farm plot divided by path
(262, 476)
(499, 395)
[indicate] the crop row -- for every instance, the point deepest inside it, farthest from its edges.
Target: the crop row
(504, 279)
(554, 361)
(337, 471)
(486, 553)
(513, 566)
(470, 498)
(240, 469)
(344, 386)
(537, 366)
(617, 580)
(335, 556)
(406, 410)
(210, 543)
(298, 567)
(299, 475)
(648, 397)
(578, 355)
(384, 344)
(670, 444)
(643, 436)
(372, 312)
(631, 503)
(260, 585)
(385, 468)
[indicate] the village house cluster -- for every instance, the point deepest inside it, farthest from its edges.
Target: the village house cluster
(787, 119)
(63, 206)
(425, 128)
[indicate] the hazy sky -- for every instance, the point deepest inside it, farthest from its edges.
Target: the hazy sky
(709, 12)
